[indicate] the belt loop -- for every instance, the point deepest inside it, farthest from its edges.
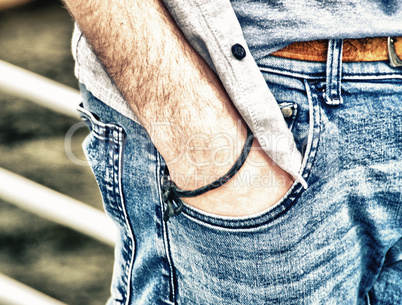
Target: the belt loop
(334, 72)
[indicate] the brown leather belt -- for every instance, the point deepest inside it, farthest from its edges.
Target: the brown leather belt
(366, 49)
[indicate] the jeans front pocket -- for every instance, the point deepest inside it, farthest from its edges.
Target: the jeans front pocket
(257, 259)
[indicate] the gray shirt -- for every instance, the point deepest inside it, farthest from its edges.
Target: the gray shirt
(288, 21)
(213, 27)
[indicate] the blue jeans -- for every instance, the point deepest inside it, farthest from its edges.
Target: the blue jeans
(337, 242)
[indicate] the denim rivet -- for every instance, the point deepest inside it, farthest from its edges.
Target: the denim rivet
(287, 112)
(238, 51)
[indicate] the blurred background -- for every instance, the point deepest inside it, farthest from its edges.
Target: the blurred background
(53, 259)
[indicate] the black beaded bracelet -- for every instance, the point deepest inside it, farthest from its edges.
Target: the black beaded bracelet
(172, 194)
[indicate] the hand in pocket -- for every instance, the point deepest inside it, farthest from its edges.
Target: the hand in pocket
(258, 185)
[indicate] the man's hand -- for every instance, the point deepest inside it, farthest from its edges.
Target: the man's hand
(180, 102)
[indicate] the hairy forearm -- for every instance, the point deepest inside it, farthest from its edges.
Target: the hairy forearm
(143, 51)
(168, 86)
(180, 102)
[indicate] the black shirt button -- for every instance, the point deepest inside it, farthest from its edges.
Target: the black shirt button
(238, 51)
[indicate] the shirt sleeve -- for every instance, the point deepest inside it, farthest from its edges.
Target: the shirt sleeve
(214, 31)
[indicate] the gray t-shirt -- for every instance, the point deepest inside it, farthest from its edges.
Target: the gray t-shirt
(272, 24)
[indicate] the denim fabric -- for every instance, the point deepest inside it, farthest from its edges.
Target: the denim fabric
(127, 169)
(337, 242)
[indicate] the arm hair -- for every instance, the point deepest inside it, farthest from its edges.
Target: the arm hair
(165, 81)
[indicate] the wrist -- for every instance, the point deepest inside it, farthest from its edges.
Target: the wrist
(258, 185)
(202, 158)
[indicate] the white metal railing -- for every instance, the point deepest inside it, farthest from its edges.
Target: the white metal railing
(41, 90)
(36, 198)
(56, 207)
(15, 293)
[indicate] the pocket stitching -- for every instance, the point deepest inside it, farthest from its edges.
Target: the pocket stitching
(116, 136)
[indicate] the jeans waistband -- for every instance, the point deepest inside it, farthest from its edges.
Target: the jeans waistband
(317, 70)
(333, 71)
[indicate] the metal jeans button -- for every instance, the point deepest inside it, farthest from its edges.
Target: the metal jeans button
(287, 112)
